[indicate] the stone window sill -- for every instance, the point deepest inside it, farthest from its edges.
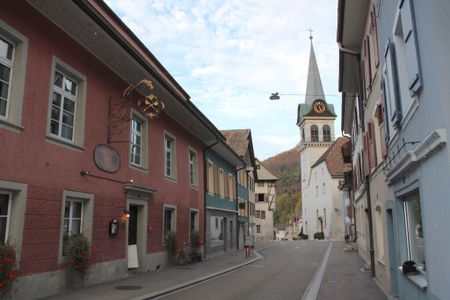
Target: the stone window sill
(419, 280)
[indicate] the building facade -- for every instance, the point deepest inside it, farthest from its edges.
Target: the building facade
(265, 198)
(412, 43)
(363, 119)
(86, 142)
(221, 198)
(240, 140)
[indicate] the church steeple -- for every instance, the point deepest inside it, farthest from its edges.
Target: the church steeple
(314, 89)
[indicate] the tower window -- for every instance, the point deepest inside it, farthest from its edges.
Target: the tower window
(314, 133)
(326, 133)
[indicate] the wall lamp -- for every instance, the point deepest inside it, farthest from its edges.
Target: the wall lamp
(88, 173)
(125, 216)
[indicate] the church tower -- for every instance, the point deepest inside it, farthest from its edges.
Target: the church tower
(315, 118)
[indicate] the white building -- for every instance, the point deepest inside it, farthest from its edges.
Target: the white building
(264, 202)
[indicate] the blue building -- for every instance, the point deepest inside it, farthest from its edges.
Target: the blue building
(413, 43)
(221, 208)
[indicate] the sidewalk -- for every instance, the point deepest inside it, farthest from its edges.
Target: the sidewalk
(153, 284)
(344, 277)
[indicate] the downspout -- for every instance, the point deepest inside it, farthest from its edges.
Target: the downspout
(369, 211)
(205, 192)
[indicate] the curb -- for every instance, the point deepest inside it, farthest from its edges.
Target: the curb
(185, 284)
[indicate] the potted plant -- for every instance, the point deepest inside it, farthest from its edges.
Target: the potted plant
(171, 245)
(196, 243)
(76, 251)
(7, 270)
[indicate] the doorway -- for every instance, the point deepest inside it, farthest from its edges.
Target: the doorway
(133, 260)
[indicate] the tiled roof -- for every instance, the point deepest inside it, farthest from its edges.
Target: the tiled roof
(238, 140)
(334, 158)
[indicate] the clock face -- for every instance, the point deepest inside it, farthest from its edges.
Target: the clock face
(319, 107)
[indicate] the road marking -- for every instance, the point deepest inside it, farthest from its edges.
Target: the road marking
(298, 247)
(313, 287)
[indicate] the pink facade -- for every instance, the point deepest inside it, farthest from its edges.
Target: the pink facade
(49, 168)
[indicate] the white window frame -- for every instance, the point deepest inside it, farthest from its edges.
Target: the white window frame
(143, 165)
(13, 116)
(409, 234)
(258, 229)
(196, 221)
(8, 63)
(87, 214)
(193, 167)
(173, 221)
(71, 73)
(172, 161)
(8, 215)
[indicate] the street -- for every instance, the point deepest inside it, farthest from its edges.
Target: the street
(284, 272)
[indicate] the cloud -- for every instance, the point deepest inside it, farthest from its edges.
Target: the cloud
(229, 55)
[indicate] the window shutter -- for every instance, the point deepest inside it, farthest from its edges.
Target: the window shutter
(373, 23)
(366, 162)
(411, 47)
(396, 115)
(372, 144)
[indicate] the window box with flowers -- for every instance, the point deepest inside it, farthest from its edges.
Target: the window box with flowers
(7, 270)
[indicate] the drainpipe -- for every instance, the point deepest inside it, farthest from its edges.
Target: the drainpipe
(369, 211)
(205, 192)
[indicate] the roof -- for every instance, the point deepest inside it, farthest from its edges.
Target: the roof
(264, 173)
(314, 89)
(334, 157)
(238, 140)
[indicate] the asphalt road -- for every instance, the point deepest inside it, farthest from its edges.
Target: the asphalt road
(284, 273)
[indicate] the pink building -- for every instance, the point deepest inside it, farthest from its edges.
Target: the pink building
(64, 67)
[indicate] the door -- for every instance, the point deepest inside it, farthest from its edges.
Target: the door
(133, 261)
(392, 252)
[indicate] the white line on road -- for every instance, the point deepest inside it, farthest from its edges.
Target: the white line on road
(314, 284)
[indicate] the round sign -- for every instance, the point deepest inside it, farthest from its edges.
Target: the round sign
(106, 158)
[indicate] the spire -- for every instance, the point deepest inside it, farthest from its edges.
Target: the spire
(314, 88)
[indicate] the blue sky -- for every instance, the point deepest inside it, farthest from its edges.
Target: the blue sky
(230, 55)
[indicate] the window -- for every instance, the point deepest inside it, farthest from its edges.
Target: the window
(260, 183)
(326, 133)
(193, 222)
(261, 198)
(414, 230)
(231, 187)
(169, 157)
(210, 177)
(258, 228)
(77, 216)
(67, 103)
(5, 216)
(323, 188)
(136, 141)
(221, 184)
(217, 223)
(263, 214)
(317, 190)
(73, 217)
(193, 168)
(13, 57)
(314, 133)
(169, 221)
(258, 214)
(303, 135)
(6, 67)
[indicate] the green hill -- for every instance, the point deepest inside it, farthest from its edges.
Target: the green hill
(286, 165)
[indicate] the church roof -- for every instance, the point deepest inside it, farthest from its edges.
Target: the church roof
(264, 173)
(314, 89)
(334, 158)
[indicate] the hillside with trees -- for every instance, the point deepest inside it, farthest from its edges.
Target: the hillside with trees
(286, 165)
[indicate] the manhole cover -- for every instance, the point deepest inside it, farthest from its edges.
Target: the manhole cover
(128, 287)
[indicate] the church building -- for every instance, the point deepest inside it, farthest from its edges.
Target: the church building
(321, 160)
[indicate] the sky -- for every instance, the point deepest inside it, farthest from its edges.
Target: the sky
(230, 55)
